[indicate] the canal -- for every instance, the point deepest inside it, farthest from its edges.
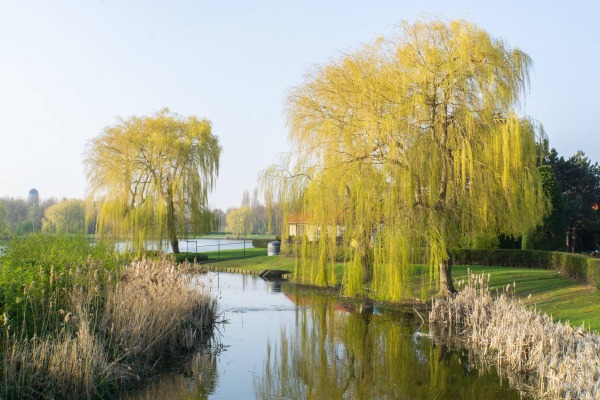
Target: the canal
(284, 341)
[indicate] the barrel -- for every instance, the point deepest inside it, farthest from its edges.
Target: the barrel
(273, 248)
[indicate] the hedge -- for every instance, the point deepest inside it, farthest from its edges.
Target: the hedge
(574, 266)
(190, 257)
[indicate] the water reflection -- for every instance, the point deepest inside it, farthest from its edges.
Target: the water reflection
(196, 245)
(284, 341)
(195, 379)
(274, 284)
(334, 353)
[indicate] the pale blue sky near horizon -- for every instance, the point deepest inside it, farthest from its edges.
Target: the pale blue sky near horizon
(69, 68)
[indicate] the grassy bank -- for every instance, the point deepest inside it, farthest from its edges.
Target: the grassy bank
(261, 263)
(212, 256)
(550, 292)
(230, 236)
(536, 354)
(81, 327)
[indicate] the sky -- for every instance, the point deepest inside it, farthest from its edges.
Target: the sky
(70, 68)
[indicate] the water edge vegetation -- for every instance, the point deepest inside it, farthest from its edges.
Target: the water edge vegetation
(80, 323)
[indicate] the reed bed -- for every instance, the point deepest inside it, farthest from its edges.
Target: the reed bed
(564, 362)
(102, 330)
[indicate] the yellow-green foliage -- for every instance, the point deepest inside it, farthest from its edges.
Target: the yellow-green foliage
(65, 216)
(149, 177)
(240, 220)
(416, 138)
(3, 216)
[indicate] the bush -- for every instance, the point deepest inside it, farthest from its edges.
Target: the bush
(261, 243)
(574, 266)
(190, 257)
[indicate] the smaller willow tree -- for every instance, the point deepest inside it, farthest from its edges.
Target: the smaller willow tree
(65, 216)
(240, 220)
(410, 143)
(149, 178)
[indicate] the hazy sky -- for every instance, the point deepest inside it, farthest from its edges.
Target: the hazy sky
(68, 68)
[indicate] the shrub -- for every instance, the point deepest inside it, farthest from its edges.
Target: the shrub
(261, 243)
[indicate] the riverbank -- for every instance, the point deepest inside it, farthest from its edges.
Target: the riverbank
(106, 339)
(550, 292)
(538, 356)
(78, 322)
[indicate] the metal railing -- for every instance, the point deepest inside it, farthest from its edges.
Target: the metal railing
(219, 245)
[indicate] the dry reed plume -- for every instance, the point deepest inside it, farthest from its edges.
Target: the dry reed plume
(109, 331)
(564, 361)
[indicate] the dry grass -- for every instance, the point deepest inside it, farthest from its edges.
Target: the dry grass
(107, 332)
(564, 362)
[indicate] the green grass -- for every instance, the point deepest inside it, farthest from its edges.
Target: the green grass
(550, 292)
(235, 237)
(273, 262)
(225, 254)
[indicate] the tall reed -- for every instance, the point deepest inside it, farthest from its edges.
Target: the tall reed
(102, 329)
(565, 362)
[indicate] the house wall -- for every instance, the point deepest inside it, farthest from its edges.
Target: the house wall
(312, 231)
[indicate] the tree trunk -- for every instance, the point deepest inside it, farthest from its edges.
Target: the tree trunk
(446, 285)
(574, 240)
(175, 245)
(367, 266)
(171, 230)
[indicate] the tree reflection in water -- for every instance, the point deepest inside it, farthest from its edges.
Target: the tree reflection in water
(332, 353)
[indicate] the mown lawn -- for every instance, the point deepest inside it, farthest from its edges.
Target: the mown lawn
(234, 237)
(225, 254)
(273, 262)
(550, 292)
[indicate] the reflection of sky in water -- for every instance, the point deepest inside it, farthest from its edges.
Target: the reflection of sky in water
(196, 245)
(258, 311)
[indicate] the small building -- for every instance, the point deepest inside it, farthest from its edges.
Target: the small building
(34, 197)
(299, 226)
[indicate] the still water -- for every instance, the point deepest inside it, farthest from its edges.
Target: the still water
(282, 341)
(195, 245)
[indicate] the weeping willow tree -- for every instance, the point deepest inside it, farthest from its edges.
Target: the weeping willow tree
(411, 142)
(149, 177)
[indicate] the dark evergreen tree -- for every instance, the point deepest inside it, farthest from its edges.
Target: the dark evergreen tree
(579, 180)
(551, 234)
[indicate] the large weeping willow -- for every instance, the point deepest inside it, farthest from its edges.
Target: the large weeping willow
(411, 143)
(149, 177)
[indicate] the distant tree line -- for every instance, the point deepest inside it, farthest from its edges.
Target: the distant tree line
(251, 217)
(19, 216)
